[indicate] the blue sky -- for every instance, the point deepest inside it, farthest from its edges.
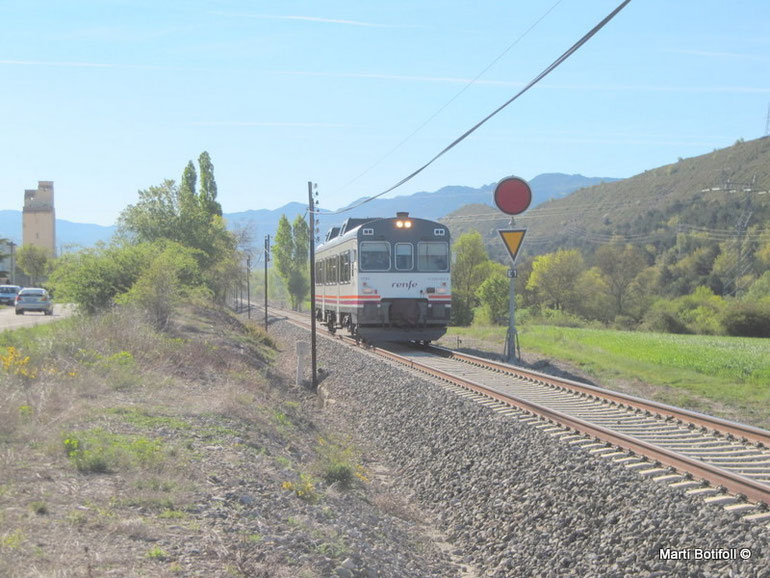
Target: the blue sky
(107, 97)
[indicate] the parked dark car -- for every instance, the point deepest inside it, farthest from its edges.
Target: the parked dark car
(34, 299)
(8, 294)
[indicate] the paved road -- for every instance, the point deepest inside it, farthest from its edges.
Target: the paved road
(9, 319)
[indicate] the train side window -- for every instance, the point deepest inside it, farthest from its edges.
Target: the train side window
(319, 273)
(327, 271)
(433, 256)
(375, 256)
(335, 276)
(404, 256)
(345, 267)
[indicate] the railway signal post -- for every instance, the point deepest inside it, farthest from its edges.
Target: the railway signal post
(512, 196)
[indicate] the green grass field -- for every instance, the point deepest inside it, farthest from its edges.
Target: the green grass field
(726, 376)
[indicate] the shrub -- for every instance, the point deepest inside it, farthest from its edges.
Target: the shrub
(747, 319)
(338, 463)
(561, 318)
(660, 320)
(171, 274)
(625, 322)
(699, 313)
(92, 279)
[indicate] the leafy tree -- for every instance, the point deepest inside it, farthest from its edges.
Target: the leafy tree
(290, 257)
(208, 191)
(157, 215)
(763, 257)
(494, 294)
(619, 266)
(175, 214)
(3, 255)
(470, 268)
(759, 290)
(554, 278)
(596, 301)
(34, 261)
(173, 273)
(187, 196)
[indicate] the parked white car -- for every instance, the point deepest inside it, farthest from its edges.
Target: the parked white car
(34, 299)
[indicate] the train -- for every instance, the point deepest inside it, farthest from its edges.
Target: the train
(385, 279)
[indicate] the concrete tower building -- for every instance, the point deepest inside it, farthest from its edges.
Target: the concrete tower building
(39, 217)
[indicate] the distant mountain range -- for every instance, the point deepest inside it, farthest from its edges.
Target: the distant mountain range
(719, 197)
(427, 205)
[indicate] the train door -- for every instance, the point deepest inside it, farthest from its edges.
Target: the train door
(335, 262)
(320, 289)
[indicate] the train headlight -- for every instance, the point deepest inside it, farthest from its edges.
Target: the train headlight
(403, 224)
(408, 224)
(400, 224)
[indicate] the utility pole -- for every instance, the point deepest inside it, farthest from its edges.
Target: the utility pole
(248, 283)
(311, 211)
(13, 263)
(267, 258)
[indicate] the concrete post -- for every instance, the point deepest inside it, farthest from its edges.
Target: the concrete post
(303, 347)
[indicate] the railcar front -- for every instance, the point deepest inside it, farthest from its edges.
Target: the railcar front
(386, 279)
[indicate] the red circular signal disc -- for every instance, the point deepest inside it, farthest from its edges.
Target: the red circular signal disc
(513, 195)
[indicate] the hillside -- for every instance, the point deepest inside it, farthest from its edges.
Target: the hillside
(261, 222)
(718, 194)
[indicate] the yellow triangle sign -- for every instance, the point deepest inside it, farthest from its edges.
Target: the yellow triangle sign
(512, 239)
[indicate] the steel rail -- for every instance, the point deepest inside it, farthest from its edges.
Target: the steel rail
(730, 481)
(727, 427)
(735, 483)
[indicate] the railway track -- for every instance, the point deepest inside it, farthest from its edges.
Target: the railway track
(725, 462)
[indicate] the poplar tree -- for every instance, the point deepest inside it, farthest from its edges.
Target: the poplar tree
(291, 255)
(208, 186)
(187, 186)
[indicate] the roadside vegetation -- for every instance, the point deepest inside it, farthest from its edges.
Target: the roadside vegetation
(125, 446)
(131, 430)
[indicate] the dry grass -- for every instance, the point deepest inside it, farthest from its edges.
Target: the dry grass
(125, 451)
(101, 435)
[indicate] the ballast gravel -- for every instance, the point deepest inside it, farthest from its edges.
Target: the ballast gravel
(514, 501)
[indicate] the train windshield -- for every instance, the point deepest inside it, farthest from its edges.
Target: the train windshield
(432, 256)
(375, 256)
(404, 256)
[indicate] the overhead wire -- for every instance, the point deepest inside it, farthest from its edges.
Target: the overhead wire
(455, 97)
(555, 64)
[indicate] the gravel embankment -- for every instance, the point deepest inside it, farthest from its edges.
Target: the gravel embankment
(511, 499)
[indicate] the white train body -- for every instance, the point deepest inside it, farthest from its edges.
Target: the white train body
(385, 279)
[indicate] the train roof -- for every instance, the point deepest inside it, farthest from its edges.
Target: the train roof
(351, 225)
(348, 225)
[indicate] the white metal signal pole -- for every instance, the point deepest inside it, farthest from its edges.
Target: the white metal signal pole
(511, 337)
(512, 196)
